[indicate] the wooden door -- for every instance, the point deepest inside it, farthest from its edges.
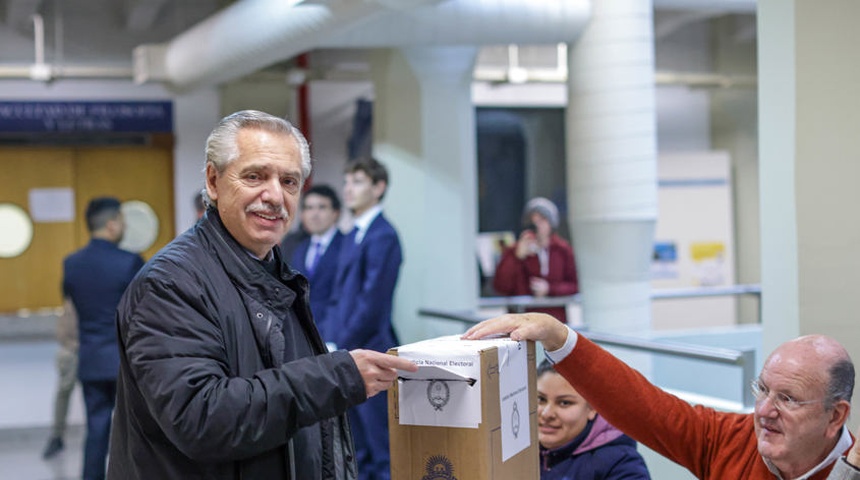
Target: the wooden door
(128, 173)
(33, 279)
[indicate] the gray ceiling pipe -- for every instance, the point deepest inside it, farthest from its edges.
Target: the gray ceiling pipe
(252, 34)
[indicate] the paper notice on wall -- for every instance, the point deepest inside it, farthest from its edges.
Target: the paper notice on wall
(514, 397)
(709, 266)
(664, 261)
(50, 205)
(446, 390)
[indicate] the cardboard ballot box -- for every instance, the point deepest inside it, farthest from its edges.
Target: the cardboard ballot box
(469, 413)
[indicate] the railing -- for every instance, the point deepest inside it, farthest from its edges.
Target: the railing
(28, 326)
(521, 302)
(745, 359)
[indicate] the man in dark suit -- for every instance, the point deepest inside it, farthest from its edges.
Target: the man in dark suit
(316, 257)
(94, 278)
(359, 313)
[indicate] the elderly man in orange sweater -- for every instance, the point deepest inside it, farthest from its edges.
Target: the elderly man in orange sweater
(797, 431)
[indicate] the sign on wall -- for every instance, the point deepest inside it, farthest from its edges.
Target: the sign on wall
(694, 238)
(81, 117)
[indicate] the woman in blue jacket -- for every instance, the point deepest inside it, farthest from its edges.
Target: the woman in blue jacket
(576, 442)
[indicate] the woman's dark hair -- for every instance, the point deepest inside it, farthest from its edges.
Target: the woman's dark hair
(544, 367)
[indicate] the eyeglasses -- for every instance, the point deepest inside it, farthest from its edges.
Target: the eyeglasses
(780, 401)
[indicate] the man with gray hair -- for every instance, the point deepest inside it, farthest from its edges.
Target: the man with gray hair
(223, 374)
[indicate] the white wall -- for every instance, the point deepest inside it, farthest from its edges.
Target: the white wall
(195, 115)
(734, 128)
(683, 119)
(332, 106)
(683, 113)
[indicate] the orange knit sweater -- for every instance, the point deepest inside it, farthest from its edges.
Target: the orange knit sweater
(713, 445)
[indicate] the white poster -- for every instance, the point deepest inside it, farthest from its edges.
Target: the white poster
(514, 398)
(446, 389)
(49, 205)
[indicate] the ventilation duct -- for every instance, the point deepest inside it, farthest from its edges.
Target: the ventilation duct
(253, 34)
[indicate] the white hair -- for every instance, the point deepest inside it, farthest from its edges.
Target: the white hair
(222, 148)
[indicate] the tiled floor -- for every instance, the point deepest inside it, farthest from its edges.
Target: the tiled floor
(28, 378)
(21, 455)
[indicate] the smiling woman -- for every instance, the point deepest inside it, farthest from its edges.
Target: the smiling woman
(575, 442)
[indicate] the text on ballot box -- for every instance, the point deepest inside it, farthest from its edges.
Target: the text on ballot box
(469, 412)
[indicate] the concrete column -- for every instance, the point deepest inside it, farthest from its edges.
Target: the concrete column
(809, 112)
(612, 164)
(424, 132)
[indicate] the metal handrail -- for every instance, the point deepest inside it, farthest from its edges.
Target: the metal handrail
(520, 302)
(716, 291)
(745, 359)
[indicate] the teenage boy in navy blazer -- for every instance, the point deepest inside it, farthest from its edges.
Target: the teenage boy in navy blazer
(359, 314)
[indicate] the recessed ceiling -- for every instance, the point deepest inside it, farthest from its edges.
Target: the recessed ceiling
(94, 31)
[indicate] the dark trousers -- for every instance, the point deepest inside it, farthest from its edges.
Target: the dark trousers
(369, 423)
(99, 399)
